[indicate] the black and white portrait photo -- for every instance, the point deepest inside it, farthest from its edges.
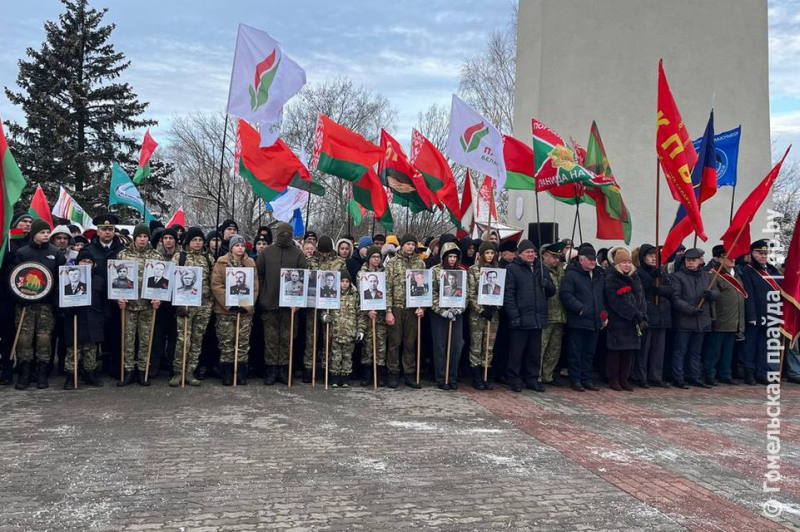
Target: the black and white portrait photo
(294, 287)
(157, 275)
(418, 288)
(491, 286)
(75, 288)
(123, 279)
(239, 287)
(372, 286)
(188, 286)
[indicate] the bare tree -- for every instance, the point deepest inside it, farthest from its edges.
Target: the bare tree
(356, 108)
(786, 200)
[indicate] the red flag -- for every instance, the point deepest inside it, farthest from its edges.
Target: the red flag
(485, 202)
(790, 288)
(271, 169)
(399, 174)
(341, 152)
(434, 168)
(737, 238)
(370, 194)
(676, 153)
(39, 207)
(148, 147)
(179, 218)
(467, 204)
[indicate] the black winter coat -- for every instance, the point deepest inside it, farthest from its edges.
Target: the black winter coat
(627, 308)
(688, 287)
(525, 300)
(101, 256)
(755, 306)
(584, 297)
(91, 324)
(48, 255)
(658, 316)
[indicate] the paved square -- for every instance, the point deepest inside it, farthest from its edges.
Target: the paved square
(266, 458)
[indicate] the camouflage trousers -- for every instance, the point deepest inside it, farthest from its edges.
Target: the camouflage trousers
(477, 335)
(38, 326)
(226, 335)
(308, 355)
(198, 318)
(380, 332)
(552, 337)
(403, 332)
(87, 353)
(137, 323)
(276, 335)
(341, 357)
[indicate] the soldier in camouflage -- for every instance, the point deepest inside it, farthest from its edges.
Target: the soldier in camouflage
(553, 335)
(376, 318)
(346, 328)
(326, 260)
(193, 319)
(138, 312)
(226, 316)
(402, 321)
(480, 316)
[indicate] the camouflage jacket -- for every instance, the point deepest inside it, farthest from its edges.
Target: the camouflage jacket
(201, 259)
(130, 253)
(332, 263)
(555, 308)
(396, 279)
(348, 320)
(218, 282)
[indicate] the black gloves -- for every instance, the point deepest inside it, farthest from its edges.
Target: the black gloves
(488, 313)
(238, 310)
(707, 295)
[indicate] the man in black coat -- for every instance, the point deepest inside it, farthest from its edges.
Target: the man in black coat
(582, 292)
(21, 221)
(691, 287)
(761, 280)
(648, 368)
(527, 288)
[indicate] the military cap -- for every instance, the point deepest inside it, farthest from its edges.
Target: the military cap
(760, 245)
(555, 248)
(106, 220)
(718, 250)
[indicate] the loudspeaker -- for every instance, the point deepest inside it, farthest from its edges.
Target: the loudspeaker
(549, 233)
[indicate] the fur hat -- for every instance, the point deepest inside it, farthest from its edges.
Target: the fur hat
(619, 254)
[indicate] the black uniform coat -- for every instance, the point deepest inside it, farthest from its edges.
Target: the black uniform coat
(755, 307)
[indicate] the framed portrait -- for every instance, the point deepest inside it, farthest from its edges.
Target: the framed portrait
(123, 279)
(418, 288)
(74, 286)
(157, 283)
(452, 288)
(328, 289)
(239, 287)
(294, 287)
(187, 286)
(492, 286)
(372, 289)
(31, 281)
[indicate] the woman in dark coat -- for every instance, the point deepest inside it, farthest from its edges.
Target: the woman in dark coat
(627, 317)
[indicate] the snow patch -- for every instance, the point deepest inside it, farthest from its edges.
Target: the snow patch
(413, 425)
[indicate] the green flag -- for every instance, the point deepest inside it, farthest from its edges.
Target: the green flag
(124, 192)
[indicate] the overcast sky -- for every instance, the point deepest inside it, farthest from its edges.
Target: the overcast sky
(182, 50)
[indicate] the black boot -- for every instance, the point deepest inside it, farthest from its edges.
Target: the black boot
(366, 374)
(92, 378)
(488, 382)
(227, 374)
(306, 376)
(68, 383)
(23, 375)
(42, 380)
(140, 378)
(241, 375)
(477, 378)
(411, 382)
(393, 380)
(381, 376)
(201, 373)
(6, 373)
(130, 377)
(283, 374)
(749, 377)
(271, 377)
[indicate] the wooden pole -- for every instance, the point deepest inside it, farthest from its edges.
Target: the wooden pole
(219, 187)
(16, 336)
(236, 351)
(185, 345)
(658, 217)
(733, 199)
(291, 347)
(578, 216)
(122, 353)
(374, 355)
(150, 346)
(718, 270)
(75, 351)
(327, 349)
(486, 356)
(419, 342)
(314, 354)
(447, 360)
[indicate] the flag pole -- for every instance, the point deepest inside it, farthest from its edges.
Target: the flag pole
(658, 212)
(733, 199)
(219, 186)
(578, 216)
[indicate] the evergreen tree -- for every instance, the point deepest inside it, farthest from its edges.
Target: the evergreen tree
(79, 115)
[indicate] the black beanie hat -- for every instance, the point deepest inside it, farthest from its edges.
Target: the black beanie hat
(408, 237)
(193, 232)
(325, 244)
(141, 229)
(39, 225)
(155, 224)
(373, 250)
(525, 245)
(226, 224)
(212, 235)
(170, 232)
(84, 254)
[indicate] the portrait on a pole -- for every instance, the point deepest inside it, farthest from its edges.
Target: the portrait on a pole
(491, 287)
(239, 287)
(372, 288)
(418, 288)
(157, 275)
(123, 279)
(74, 286)
(294, 287)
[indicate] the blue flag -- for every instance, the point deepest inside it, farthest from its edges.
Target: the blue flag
(727, 155)
(124, 192)
(297, 223)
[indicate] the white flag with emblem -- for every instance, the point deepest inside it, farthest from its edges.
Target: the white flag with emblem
(264, 78)
(475, 143)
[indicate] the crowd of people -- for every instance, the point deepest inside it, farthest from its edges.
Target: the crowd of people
(610, 316)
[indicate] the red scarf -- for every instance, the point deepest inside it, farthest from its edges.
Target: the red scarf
(767, 278)
(739, 287)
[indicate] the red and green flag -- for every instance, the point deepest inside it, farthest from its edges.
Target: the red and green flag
(341, 152)
(555, 163)
(271, 169)
(370, 194)
(396, 172)
(11, 185)
(437, 173)
(39, 208)
(148, 147)
(518, 157)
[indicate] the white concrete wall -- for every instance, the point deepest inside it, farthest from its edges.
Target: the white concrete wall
(584, 60)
